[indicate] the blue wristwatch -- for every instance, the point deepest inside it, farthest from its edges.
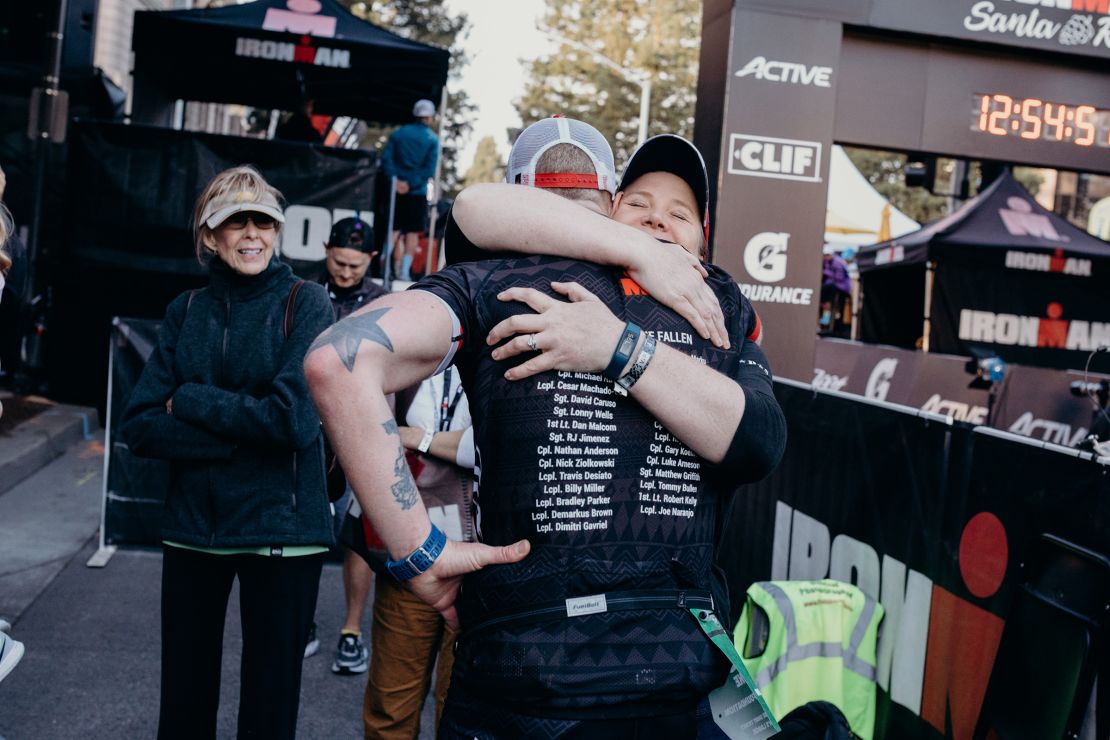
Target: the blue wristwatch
(420, 559)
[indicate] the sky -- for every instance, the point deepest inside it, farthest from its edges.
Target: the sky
(502, 33)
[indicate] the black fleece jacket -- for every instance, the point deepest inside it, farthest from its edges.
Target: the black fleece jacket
(243, 439)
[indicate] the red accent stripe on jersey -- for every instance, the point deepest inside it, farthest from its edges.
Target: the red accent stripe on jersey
(757, 332)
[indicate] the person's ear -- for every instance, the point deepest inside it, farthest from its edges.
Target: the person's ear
(374, 254)
(208, 239)
(616, 203)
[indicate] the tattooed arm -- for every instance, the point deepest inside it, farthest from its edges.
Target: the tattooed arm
(393, 343)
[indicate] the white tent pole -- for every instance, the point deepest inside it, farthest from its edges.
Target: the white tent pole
(857, 306)
(437, 188)
(930, 272)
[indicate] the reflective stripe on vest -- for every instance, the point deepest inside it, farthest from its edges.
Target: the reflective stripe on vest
(794, 651)
(820, 645)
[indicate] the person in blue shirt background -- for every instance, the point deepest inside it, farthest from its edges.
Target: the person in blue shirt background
(410, 155)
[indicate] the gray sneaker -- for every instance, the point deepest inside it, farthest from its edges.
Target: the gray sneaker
(311, 644)
(351, 656)
(11, 652)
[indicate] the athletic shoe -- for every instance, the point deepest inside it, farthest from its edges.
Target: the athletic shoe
(351, 656)
(311, 645)
(11, 652)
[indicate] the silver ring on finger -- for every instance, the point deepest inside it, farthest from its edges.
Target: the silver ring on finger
(532, 343)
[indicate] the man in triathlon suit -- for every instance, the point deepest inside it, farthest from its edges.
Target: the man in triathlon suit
(616, 497)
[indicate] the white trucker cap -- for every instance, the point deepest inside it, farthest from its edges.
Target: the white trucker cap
(423, 109)
(541, 136)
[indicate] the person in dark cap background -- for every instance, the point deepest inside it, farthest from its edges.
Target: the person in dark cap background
(350, 249)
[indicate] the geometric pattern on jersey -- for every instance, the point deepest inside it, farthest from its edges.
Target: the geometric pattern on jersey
(609, 499)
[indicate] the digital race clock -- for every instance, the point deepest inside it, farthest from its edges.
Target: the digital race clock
(1002, 115)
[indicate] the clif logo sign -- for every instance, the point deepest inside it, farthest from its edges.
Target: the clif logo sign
(282, 51)
(796, 74)
(764, 156)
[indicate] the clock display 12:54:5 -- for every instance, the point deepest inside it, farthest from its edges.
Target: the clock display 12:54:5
(1033, 119)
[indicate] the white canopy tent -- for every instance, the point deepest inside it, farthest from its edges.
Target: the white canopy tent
(856, 214)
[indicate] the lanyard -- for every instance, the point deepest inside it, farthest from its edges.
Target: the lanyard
(447, 410)
(739, 709)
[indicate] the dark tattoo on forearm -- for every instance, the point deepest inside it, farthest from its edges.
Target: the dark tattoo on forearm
(404, 488)
(347, 335)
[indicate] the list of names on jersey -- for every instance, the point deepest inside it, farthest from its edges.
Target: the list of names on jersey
(670, 478)
(577, 460)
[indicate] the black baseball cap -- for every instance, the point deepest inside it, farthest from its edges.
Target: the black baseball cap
(676, 155)
(352, 233)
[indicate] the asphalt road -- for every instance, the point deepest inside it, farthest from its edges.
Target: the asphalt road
(91, 669)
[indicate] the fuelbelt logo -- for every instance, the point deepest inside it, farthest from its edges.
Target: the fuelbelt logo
(1051, 331)
(766, 156)
(283, 51)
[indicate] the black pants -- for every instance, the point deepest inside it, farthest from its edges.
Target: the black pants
(277, 598)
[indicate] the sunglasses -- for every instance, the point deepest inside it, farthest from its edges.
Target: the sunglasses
(239, 220)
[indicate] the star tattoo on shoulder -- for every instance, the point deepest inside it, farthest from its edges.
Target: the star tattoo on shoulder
(348, 335)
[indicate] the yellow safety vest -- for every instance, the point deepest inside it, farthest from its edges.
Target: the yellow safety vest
(819, 643)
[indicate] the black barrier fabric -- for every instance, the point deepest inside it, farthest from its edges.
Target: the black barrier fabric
(136, 486)
(131, 192)
(931, 519)
(129, 245)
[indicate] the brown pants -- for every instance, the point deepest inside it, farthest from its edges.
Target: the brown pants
(406, 637)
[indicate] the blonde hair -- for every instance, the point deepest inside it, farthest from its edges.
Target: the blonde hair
(569, 159)
(233, 180)
(6, 228)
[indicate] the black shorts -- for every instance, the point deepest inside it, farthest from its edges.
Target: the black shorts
(410, 215)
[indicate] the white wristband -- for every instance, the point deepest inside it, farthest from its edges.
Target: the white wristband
(426, 441)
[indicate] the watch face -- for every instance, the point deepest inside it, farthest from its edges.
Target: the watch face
(628, 344)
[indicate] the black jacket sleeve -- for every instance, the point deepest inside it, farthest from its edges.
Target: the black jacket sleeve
(285, 416)
(760, 439)
(147, 428)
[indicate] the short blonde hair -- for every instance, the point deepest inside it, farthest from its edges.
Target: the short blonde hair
(6, 229)
(569, 159)
(235, 179)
